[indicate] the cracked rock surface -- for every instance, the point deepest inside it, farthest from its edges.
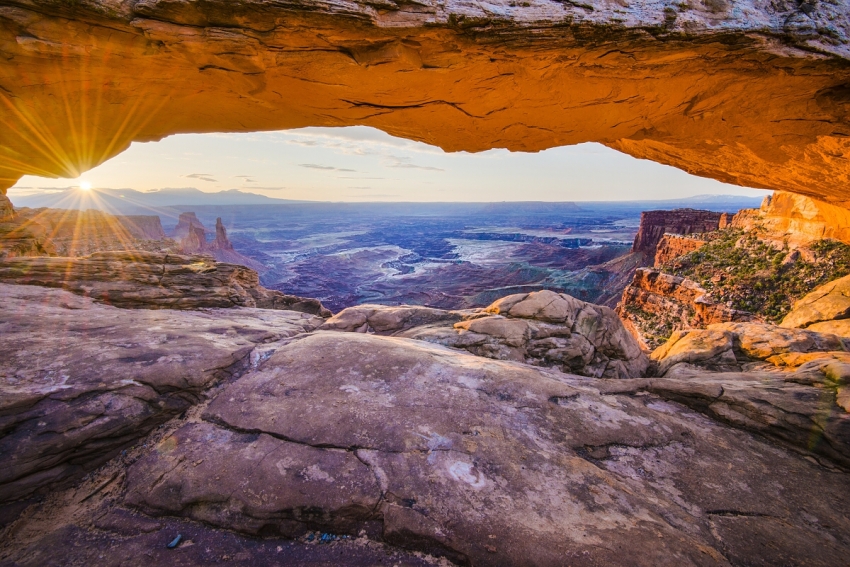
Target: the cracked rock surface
(486, 462)
(80, 381)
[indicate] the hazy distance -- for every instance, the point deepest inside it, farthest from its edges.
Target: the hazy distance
(364, 164)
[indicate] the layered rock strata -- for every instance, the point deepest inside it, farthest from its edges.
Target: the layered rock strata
(795, 220)
(541, 328)
(655, 304)
(80, 381)
(672, 246)
(155, 281)
(746, 92)
(51, 232)
(655, 224)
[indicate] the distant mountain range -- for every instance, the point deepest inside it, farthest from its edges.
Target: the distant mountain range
(130, 201)
(167, 203)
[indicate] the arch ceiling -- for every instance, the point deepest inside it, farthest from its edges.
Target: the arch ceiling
(751, 92)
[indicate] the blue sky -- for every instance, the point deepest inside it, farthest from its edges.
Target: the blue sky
(364, 164)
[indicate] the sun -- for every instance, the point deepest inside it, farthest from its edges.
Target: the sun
(85, 185)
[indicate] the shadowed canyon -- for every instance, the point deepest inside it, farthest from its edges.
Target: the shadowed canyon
(476, 384)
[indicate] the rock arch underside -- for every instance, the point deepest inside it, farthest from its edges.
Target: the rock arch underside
(751, 92)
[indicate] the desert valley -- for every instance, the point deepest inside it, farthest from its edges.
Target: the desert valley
(229, 379)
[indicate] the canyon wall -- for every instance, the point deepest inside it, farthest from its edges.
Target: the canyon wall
(654, 224)
(752, 92)
(795, 219)
(655, 304)
(672, 246)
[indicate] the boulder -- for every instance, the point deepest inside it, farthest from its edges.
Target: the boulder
(542, 328)
(80, 380)
(830, 302)
(486, 462)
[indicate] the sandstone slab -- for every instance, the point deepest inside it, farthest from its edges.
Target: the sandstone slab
(829, 302)
(80, 380)
(487, 463)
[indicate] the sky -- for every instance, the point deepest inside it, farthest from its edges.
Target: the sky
(364, 164)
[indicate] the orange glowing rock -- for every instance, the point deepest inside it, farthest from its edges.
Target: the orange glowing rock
(755, 96)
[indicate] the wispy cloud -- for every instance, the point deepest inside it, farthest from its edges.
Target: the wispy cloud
(245, 178)
(201, 176)
(398, 162)
(325, 167)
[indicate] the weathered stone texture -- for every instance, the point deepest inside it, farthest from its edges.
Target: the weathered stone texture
(487, 463)
(80, 380)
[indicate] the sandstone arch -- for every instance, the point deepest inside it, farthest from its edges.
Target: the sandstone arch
(753, 92)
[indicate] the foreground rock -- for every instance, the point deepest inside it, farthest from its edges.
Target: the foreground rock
(746, 346)
(789, 384)
(149, 280)
(826, 309)
(80, 380)
(486, 463)
(542, 328)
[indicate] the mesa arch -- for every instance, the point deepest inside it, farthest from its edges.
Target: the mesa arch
(751, 92)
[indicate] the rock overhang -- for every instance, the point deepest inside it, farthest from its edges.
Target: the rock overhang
(750, 92)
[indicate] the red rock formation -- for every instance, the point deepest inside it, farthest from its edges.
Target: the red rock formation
(194, 241)
(655, 304)
(654, 224)
(185, 222)
(221, 240)
(674, 245)
(40, 232)
(146, 227)
(795, 219)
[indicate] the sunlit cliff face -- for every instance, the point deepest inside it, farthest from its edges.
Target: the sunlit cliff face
(731, 91)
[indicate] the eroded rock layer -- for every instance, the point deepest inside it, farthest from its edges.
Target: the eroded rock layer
(149, 280)
(750, 92)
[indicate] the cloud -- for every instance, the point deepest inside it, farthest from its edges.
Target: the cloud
(353, 177)
(398, 162)
(325, 167)
(246, 178)
(202, 176)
